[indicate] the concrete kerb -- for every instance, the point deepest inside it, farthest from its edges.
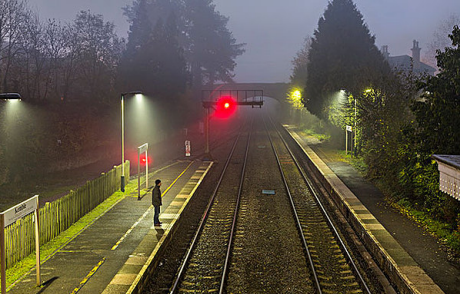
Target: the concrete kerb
(408, 276)
(153, 260)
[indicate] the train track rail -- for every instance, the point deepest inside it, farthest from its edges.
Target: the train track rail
(205, 265)
(332, 266)
(265, 229)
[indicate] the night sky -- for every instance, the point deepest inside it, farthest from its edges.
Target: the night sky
(274, 30)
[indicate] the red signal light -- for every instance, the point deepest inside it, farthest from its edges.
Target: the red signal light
(225, 107)
(144, 160)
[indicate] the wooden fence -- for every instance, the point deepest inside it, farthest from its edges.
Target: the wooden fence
(59, 215)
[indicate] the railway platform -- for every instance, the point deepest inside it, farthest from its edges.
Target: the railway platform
(111, 253)
(406, 249)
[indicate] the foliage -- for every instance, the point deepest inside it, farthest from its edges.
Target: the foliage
(98, 53)
(207, 45)
(435, 131)
(382, 116)
(443, 230)
(40, 139)
(441, 38)
(299, 76)
(154, 61)
(343, 55)
(210, 47)
(13, 17)
(54, 62)
(300, 62)
(438, 114)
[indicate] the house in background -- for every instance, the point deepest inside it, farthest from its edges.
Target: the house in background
(407, 63)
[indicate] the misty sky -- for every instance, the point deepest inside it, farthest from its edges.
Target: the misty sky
(274, 30)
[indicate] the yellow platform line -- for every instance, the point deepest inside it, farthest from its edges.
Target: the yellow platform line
(88, 276)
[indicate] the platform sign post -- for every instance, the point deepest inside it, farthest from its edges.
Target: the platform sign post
(349, 129)
(140, 150)
(10, 216)
(187, 148)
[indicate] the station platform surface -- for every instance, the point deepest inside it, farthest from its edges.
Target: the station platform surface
(107, 255)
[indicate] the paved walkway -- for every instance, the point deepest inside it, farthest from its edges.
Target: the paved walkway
(113, 250)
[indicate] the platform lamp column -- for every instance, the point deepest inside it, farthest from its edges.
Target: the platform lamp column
(123, 136)
(4, 96)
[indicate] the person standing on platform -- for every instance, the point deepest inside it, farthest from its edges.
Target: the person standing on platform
(156, 202)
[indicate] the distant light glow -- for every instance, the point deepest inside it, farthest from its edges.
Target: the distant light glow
(295, 98)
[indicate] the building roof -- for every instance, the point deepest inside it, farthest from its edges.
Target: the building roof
(449, 174)
(405, 62)
(452, 160)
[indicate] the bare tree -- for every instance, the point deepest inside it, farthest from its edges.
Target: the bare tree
(441, 38)
(300, 63)
(98, 50)
(55, 51)
(30, 63)
(13, 15)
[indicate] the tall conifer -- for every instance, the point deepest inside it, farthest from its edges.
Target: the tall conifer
(343, 55)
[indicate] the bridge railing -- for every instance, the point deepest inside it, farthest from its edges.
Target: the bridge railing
(242, 97)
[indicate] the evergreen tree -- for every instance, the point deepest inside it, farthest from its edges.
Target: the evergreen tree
(167, 63)
(209, 46)
(343, 55)
(204, 40)
(154, 60)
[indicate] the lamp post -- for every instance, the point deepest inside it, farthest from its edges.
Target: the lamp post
(123, 136)
(8, 96)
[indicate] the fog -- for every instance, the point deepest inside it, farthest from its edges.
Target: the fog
(274, 30)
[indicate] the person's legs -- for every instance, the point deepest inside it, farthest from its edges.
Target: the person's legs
(156, 216)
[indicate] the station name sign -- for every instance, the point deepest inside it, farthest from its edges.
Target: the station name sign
(19, 211)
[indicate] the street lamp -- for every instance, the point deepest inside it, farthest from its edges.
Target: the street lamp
(123, 136)
(13, 97)
(10, 96)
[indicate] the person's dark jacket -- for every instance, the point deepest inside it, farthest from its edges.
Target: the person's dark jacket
(156, 196)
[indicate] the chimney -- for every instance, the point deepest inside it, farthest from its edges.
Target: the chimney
(385, 53)
(416, 55)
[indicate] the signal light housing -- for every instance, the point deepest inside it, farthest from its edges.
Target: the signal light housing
(225, 107)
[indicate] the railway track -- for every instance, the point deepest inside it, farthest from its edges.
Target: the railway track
(205, 265)
(332, 265)
(264, 229)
